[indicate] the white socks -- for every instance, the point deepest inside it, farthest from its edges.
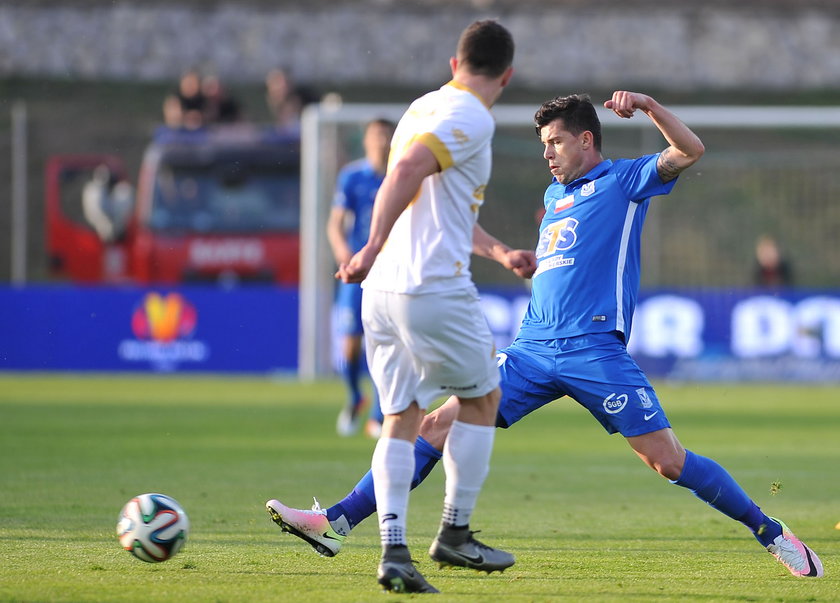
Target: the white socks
(392, 467)
(466, 459)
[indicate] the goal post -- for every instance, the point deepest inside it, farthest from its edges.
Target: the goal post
(322, 141)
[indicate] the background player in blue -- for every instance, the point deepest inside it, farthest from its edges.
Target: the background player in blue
(347, 231)
(572, 339)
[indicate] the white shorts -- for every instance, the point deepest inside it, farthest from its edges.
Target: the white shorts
(422, 347)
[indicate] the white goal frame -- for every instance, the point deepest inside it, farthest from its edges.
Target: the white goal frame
(318, 134)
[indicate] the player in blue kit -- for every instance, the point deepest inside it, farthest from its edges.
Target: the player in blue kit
(347, 230)
(572, 341)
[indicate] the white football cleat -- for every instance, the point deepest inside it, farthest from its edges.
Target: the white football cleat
(794, 554)
(312, 526)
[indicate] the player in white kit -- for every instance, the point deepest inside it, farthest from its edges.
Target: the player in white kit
(426, 336)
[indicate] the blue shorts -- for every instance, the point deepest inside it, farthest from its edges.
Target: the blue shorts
(348, 303)
(595, 370)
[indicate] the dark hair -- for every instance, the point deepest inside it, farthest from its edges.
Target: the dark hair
(485, 48)
(576, 111)
(380, 121)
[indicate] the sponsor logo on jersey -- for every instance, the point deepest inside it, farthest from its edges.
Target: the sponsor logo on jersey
(587, 189)
(615, 403)
(557, 236)
(555, 262)
(460, 136)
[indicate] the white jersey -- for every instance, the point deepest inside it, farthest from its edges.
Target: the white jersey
(429, 247)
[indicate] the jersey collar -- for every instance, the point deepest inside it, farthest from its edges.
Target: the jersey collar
(466, 88)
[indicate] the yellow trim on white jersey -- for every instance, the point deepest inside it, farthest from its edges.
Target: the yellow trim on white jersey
(438, 149)
(466, 88)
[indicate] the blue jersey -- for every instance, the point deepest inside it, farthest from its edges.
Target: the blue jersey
(588, 255)
(355, 191)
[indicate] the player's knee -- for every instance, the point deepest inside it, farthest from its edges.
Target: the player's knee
(668, 466)
(480, 411)
(661, 451)
(435, 427)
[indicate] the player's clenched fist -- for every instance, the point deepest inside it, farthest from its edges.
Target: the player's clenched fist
(356, 270)
(624, 103)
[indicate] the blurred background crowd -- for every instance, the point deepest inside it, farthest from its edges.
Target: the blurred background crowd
(202, 100)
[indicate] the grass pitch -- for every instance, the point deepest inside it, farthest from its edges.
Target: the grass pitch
(586, 520)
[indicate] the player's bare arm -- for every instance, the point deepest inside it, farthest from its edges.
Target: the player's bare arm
(522, 262)
(337, 236)
(398, 190)
(685, 147)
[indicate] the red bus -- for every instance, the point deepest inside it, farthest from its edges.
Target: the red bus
(208, 206)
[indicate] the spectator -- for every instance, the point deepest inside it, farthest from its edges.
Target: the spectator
(285, 101)
(107, 202)
(771, 267)
(278, 90)
(221, 107)
(186, 107)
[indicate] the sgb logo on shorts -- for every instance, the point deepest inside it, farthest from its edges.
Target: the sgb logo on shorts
(615, 403)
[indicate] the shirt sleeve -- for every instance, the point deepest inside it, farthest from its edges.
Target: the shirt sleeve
(639, 178)
(457, 135)
(341, 198)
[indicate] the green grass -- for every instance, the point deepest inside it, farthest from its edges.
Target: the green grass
(586, 520)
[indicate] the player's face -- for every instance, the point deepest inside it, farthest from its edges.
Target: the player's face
(377, 144)
(564, 151)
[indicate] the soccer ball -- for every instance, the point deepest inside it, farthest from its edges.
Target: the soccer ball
(152, 527)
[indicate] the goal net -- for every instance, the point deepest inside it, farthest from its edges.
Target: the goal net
(767, 170)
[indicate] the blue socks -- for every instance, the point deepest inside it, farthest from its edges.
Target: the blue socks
(711, 483)
(706, 479)
(351, 372)
(361, 502)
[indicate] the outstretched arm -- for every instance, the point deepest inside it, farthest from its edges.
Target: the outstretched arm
(522, 262)
(685, 147)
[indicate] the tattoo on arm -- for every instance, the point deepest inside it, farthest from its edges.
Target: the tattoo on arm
(666, 167)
